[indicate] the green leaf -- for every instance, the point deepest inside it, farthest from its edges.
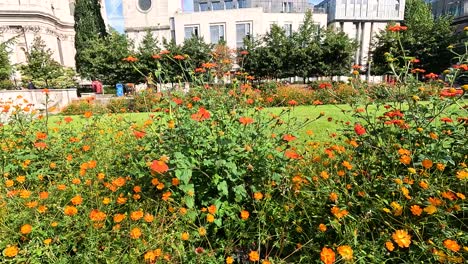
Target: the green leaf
(223, 187)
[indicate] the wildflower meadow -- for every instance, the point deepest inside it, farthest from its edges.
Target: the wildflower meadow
(231, 174)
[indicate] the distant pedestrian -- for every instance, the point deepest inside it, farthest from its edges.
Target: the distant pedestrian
(31, 85)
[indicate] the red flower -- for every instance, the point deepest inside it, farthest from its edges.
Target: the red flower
(244, 52)
(40, 145)
(156, 56)
(431, 76)
(164, 52)
(179, 57)
(446, 119)
(289, 137)
(68, 119)
(201, 115)
(360, 130)
(324, 85)
(289, 153)
(177, 101)
(246, 120)
(159, 166)
(292, 102)
(139, 134)
(397, 28)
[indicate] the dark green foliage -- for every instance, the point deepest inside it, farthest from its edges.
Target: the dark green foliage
(427, 39)
(5, 66)
(89, 25)
(41, 66)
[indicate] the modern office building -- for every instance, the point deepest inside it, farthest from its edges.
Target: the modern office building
(230, 21)
(362, 20)
(456, 8)
(268, 6)
(52, 20)
(233, 25)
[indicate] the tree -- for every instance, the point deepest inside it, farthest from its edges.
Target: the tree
(41, 67)
(426, 39)
(148, 47)
(306, 51)
(337, 51)
(89, 25)
(5, 66)
(103, 60)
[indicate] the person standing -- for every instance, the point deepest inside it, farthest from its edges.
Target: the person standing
(31, 85)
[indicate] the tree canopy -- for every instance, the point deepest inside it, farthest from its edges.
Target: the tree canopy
(426, 39)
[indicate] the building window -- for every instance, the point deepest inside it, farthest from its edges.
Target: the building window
(242, 3)
(287, 29)
(204, 7)
(229, 4)
(191, 31)
(243, 30)
(144, 5)
(287, 7)
(217, 5)
(397, 5)
(217, 33)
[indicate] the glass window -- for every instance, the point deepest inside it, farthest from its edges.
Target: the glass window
(242, 3)
(229, 4)
(217, 33)
(144, 5)
(288, 29)
(287, 7)
(242, 31)
(217, 5)
(190, 31)
(204, 6)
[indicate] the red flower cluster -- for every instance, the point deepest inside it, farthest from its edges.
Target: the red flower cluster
(325, 85)
(431, 76)
(360, 130)
(397, 28)
(201, 115)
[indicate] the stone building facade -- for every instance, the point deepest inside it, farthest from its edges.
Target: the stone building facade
(52, 20)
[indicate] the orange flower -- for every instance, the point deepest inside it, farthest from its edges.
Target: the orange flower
(347, 165)
(254, 256)
(212, 209)
(451, 245)
(135, 233)
(389, 245)
(402, 238)
(244, 214)
(210, 218)
(327, 255)
(246, 120)
(175, 181)
(185, 236)
(179, 57)
(427, 163)
(346, 252)
(41, 135)
(166, 196)
(202, 231)
(258, 196)
(462, 175)
(70, 210)
(77, 200)
(322, 227)
(43, 195)
(96, 215)
(26, 229)
(130, 59)
(119, 218)
(289, 137)
(405, 159)
(88, 114)
(333, 197)
(137, 215)
(416, 210)
(201, 115)
(431, 209)
(148, 218)
(289, 153)
(229, 260)
(11, 251)
(338, 213)
(159, 166)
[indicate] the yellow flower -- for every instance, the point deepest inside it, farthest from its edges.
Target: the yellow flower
(202, 231)
(430, 209)
(210, 218)
(462, 175)
(402, 238)
(47, 241)
(26, 229)
(412, 170)
(346, 252)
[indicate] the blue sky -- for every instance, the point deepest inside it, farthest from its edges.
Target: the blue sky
(115, 13)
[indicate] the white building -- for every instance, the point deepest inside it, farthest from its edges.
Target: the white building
(362, 20)
(154, 15)
(231, 23)
(234, 25)
(52, 20)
